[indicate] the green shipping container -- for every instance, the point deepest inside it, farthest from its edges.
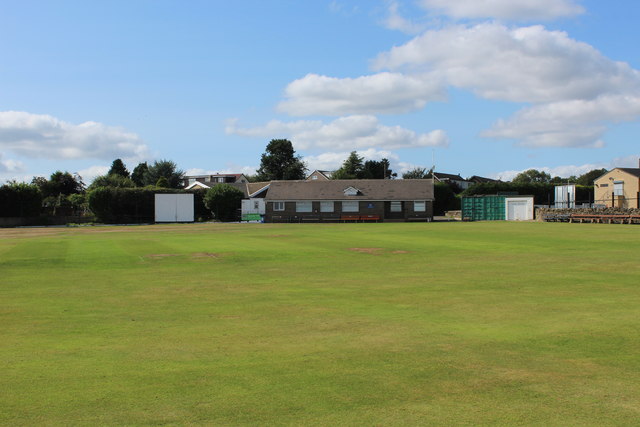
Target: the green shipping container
(483, 208)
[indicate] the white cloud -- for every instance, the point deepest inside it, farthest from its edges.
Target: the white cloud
(574, 123)
(345, 133)
(395, 21)
(10, 166)
(515, 10)
(575, 91)
(527, 64)
(379, 93)
(44, 136)
(92, 172)
(333, 160)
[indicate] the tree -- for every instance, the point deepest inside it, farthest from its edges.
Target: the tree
(112, 180)
(532, 176)
(118, 168)
(162, 182)
(137, 176)
(374, 169)
(279, 162)
(415, 173)
(352, 167)
(224, 201)
(166, 169)
(589, 177)
(59, 183)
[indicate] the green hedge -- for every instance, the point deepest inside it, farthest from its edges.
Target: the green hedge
(136, 205)
(20, 200)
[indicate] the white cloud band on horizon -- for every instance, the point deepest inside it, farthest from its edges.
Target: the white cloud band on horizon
(44, 136)
(345, 133)
(566, 171)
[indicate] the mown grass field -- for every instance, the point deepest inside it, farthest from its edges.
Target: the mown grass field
(343, 324)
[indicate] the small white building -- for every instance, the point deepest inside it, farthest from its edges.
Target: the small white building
(518, 208)
(174, 208)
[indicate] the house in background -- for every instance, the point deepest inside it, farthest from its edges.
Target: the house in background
(350, 200)
(475, 179)
(452, 179)
(208, 181)
(620, 188)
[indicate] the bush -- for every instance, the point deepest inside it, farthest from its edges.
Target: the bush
(224, 202)
(20, 200)
(445, 199)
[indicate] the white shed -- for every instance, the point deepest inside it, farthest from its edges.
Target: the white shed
(174, 208)
(518, 208)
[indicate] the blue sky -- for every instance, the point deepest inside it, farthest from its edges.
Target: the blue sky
(483, 87)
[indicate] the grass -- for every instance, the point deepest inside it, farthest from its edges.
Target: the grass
(349, 324)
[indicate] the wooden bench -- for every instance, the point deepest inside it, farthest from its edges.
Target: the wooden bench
(557, 217)
(582, 218)
(346, 218)
(375, 218)
(609, 219)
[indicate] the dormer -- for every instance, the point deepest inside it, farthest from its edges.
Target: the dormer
(351, 191)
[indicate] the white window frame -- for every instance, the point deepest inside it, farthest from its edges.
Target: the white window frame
(278, 206)
(395, 207)
(419, 206)
(351, 206)
(618, 188)
(327, 206)
(304, 206)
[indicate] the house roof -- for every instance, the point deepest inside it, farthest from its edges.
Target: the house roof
(440, 175)
(257, 187)
(479, 179)
(631, 171)
(369, 189)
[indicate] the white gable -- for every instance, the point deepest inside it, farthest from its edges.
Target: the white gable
(351, 191)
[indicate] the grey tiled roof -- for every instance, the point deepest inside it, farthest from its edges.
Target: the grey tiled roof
(632, 171)
(369, 189)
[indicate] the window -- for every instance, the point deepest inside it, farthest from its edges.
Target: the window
(420, 206)
(396, 206)
(326, 206)
(618, 188)
(303, 207)
(278, 206)
(604, 185)
(314, 176)
(191, 180)
(256, 205)
(351, 206)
